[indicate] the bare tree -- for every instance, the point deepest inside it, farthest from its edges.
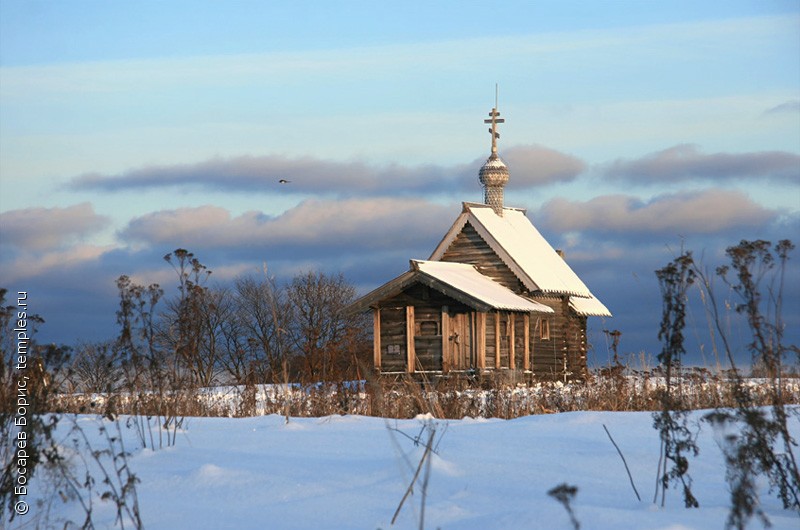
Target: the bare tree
(215, 314)
(257, 340)
(326, 339)
(96, 367)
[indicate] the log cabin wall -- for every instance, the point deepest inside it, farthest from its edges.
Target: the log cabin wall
(548, 340)
(576, 344)
(469, 247)
(427, 343)
(489, 335)
(504, 340)
(445, 335)
(392, 345)
(558, 341)
(504, 331)
(519, 342)
(428, 337)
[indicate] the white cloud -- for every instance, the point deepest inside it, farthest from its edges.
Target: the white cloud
(704, 212)
(45, 228)
(347, 225)
(531, 165)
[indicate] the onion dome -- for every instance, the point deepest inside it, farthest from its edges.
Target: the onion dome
(493, 175)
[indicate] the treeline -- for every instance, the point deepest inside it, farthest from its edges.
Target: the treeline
(202, 334)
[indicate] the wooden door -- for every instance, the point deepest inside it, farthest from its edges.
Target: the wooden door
(457, 343)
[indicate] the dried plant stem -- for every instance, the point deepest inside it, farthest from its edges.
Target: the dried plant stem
(425, 458)
(627, 470)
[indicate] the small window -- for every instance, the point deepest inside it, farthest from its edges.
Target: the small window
(393, 349)
(427, 328)
(544, 328)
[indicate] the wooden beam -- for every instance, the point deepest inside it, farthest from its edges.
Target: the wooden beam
(512, 362)
(480, 338)
(447, 350)
(497, 339)
(526, 358)
(376, 338)
(411, 360)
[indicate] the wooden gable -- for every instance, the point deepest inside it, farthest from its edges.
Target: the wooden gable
(469, 247)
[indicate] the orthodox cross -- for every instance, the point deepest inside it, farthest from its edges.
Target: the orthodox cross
(494, 121)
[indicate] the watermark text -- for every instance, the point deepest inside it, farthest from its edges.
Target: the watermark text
(22, 343)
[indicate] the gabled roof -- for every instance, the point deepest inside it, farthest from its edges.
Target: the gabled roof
(521, 247)
(459, 281)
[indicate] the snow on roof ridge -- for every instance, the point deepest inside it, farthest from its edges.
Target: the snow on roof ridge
(467, 206)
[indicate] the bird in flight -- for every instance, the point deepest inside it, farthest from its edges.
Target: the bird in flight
(284, 181)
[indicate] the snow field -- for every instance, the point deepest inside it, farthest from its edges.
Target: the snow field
(350, 472)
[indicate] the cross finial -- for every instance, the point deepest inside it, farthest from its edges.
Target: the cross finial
(494, 120)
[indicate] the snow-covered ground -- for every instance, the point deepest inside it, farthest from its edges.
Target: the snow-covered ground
(350, 472)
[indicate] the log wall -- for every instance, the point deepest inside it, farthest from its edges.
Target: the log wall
(564, 352)
(469, 247)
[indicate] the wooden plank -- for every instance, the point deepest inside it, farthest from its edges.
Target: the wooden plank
(512, 362)
(411, 351)
(527, 357)
(480, 339)
(447, 345)
(497, 340)
(376, 340)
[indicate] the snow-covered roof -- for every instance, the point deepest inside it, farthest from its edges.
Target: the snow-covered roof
(459, 281)
(588, 307)
(521, 247)
(467, 280)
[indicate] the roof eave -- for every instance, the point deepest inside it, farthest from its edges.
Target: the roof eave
(390, 288)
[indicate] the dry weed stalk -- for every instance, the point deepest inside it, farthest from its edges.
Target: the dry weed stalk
(565, 494)
(426, 438)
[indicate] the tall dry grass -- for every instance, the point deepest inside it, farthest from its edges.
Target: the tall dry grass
(445, 398)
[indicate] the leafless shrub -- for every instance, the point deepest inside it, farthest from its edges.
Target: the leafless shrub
(763, 444)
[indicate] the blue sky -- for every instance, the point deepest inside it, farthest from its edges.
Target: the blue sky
(128, 129)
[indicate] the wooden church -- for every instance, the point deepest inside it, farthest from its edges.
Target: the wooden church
(493, 296)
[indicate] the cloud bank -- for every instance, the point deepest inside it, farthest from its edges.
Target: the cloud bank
(533, 166)
(350, 225)
(705, 212)
(686, 162)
